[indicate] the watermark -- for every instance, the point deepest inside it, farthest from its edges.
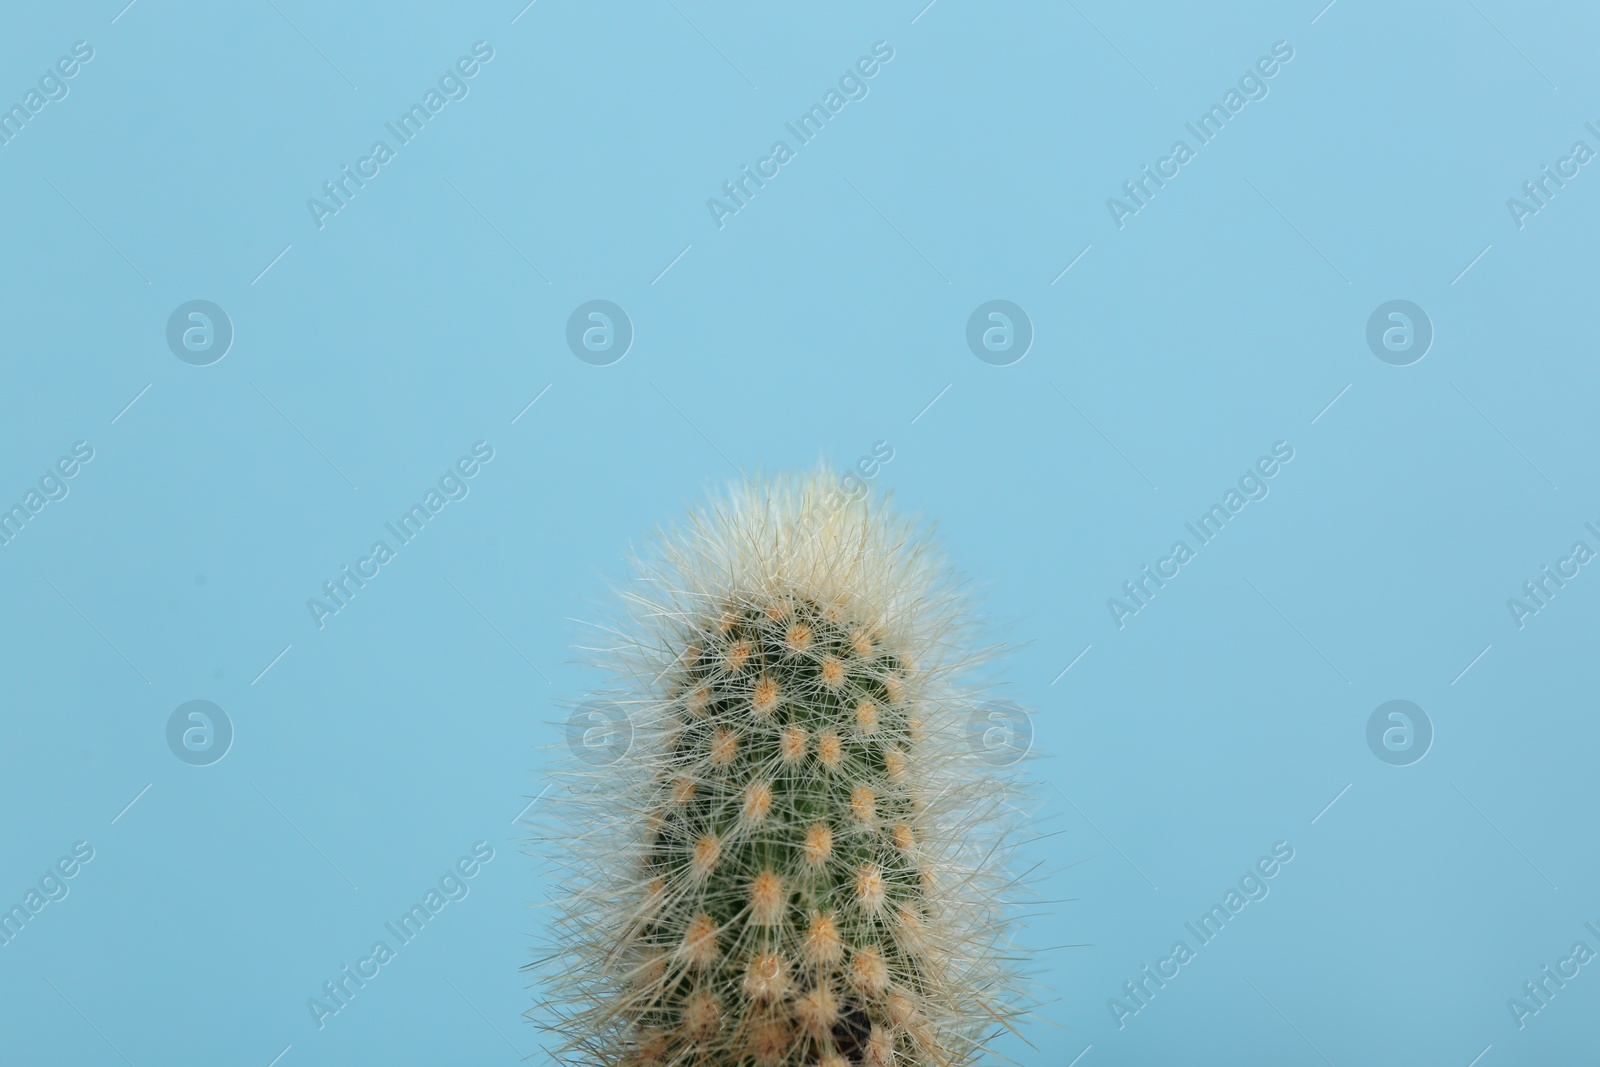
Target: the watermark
(338, 992)
(1539, 191)
(452, 86)
(854, 483)
(52, 887)
(999, 732)
(199, 733)
(1252, 486)
(1252, 86)
(452, 486)
(599, 734)
(1399, 733)
(852, 85)
(1399, 332)
(52, 88)
(1539, 992)
(199, 332)
(999, 333)
(52, 487)
(599, 332)
(1538, 592)
(1137, 993)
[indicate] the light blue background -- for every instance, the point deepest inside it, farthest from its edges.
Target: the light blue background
(822, 318)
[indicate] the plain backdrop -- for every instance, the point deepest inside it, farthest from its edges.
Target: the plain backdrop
(830, 313)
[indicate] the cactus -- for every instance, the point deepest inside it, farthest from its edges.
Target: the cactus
(798, 860)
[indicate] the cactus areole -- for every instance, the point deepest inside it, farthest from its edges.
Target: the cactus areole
(792, 860)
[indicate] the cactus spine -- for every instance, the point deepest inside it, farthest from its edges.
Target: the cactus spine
(793, 862)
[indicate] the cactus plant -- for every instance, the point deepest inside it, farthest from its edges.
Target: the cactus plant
(794, 856)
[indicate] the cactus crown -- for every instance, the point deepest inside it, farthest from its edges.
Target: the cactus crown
(780, 870)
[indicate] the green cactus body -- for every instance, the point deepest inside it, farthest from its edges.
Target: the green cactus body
(784, 821)
(775, 899)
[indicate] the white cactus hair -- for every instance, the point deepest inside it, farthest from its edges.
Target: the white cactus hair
(830, 886)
